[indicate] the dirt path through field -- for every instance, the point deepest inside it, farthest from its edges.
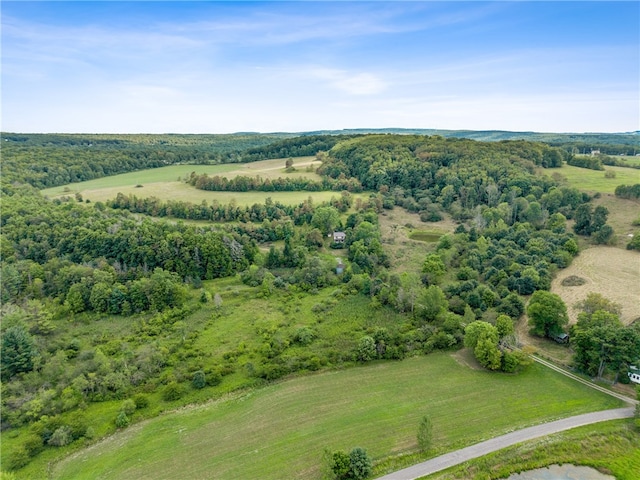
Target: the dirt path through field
(612, 272)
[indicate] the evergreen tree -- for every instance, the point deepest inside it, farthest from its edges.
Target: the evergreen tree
(18, 352)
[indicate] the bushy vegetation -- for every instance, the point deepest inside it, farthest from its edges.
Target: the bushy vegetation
(628, 191)
(592, 163)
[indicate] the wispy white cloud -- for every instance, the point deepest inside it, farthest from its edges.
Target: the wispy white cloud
(353, 83)
(293, 66)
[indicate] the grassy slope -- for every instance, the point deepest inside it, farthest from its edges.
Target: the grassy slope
(280, 431)
(163, 183)
(595, 181)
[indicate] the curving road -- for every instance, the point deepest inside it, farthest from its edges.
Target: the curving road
(498, 443)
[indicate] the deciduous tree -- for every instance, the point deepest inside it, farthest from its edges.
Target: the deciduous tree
(547, 313)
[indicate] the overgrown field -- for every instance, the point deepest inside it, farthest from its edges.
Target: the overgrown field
(611, 447)
(281, 431)
(401, 233)
(612, 272)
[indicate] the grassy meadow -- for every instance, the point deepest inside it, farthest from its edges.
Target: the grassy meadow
(595, 181)
(281, 430)
(168, 182)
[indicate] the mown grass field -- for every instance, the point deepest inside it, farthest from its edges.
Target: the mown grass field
(611, 447)
(168, 182)
(281, 431)
(595, 181)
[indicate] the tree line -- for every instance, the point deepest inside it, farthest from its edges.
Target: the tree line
(280, 184)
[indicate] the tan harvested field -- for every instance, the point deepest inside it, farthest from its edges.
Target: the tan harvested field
(611, 272)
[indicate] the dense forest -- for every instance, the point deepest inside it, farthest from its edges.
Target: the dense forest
(48, 160)
(147, 265)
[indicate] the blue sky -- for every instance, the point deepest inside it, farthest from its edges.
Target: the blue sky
(221, 67)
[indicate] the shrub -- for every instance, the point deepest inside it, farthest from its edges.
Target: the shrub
(172, 392)
(366, 349)
(199, 380)
(122, 420)
(304, 336)
(634, 244)
(141, 401)
(573, 281)
(340, 465)
(128, 406)
(61, 437)
(425, 434)
(18, 458)
(33, 444)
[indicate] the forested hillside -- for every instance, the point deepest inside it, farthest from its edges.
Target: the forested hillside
(109, 307)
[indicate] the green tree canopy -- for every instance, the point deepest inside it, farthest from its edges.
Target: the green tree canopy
(547, 313)
(326, 219)
(432, 303)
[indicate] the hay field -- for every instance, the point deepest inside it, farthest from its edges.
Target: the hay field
(595, 181)
(612, 272)
(165, 183)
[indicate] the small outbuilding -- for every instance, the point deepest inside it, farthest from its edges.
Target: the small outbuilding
(339, 267)
(560, 338)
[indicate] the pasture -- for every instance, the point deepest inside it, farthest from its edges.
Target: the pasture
(168, 183)
(281, 430)
(612, 272)
(595, 181)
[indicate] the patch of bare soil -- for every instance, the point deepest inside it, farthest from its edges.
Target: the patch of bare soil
(612, 272)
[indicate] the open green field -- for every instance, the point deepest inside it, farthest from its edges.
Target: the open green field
(182, 191)
(595, 181)
(281, 431)
(167, 183)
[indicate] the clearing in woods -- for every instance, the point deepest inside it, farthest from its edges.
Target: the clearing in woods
(168, 183)
(595, 181)
(611, 272)
(402, 232)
